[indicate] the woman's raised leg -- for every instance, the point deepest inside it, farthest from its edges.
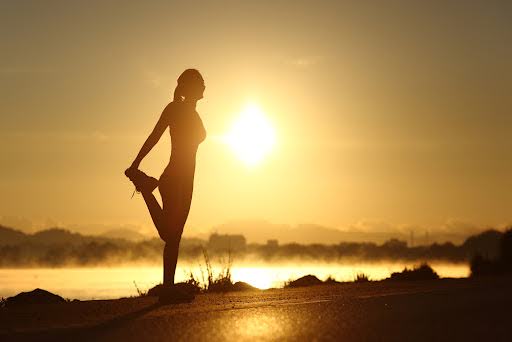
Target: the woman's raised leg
(155, 211)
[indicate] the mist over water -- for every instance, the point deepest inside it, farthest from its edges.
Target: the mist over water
(116, 282)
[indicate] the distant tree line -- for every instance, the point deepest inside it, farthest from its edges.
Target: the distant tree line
(59, 247)
(501, 264)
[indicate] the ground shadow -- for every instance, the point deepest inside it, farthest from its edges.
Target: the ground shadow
(82, 333)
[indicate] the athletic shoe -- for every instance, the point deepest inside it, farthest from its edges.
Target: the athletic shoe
(142, 182)
(174, 295)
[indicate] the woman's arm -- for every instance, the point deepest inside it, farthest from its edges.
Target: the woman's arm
(153, 138)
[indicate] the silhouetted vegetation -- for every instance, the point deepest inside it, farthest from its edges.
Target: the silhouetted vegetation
(485, 265)
(311, 280)
(140, 292)
(192, 281)
(59, 248)
(361, 278)
(331, 280)
(422, 272)
(221, 282)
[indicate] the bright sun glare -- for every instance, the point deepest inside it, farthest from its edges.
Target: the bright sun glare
(252, 136)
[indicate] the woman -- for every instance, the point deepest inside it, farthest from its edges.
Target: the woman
(177, 180)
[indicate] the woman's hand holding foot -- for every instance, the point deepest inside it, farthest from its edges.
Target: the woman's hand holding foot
(142, 182)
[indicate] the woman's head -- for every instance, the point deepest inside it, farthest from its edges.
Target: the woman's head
(190, 86)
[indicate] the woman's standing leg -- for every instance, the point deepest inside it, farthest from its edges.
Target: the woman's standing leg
(176, 206)
(171, 250)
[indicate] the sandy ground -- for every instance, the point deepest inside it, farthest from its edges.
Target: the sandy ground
(443, 310)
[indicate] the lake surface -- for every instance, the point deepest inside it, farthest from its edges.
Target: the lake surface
(115, 282)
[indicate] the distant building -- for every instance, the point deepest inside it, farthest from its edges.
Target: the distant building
(227, 242)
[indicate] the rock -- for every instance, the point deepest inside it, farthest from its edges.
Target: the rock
(35, 297)
(308, 280)
(155, 291)
(241, 286)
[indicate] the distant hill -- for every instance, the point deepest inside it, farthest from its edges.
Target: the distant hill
(57, 236)
(261, 231)
(123, 233)
(52, 236)
(9, 236)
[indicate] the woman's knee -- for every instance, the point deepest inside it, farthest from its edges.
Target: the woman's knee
(171, 234)
(169, 237)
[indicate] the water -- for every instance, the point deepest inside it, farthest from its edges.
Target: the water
(116, 282)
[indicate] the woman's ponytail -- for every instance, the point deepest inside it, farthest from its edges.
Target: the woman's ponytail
(178, 93)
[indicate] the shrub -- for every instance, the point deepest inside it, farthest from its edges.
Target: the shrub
(506, 250)
(331, 280)
(422, 272)
(484, 266)
(361, 278)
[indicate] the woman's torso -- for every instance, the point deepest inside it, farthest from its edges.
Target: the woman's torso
(187, 132)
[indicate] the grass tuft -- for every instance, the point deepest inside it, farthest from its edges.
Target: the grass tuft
(209, 281)
(222, 282)
(330, 280)
(361, 278)
(139, 291)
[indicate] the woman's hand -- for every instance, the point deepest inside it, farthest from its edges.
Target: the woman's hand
(130, 169)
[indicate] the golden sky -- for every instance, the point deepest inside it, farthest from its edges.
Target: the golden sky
(397, 113)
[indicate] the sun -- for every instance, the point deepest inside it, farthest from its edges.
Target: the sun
(251, 136)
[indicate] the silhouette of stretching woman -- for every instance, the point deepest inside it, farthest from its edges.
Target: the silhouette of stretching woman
(177, 180)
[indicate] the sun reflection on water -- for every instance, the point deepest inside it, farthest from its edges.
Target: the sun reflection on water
(268, 276)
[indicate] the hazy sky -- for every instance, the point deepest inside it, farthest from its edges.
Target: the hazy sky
(395, 112)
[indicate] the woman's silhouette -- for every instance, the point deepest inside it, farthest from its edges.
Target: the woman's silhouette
(177, 180)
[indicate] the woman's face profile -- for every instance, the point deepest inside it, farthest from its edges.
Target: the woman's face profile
(195, 91)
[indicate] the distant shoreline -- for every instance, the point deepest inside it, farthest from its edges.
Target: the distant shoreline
(61, 248)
